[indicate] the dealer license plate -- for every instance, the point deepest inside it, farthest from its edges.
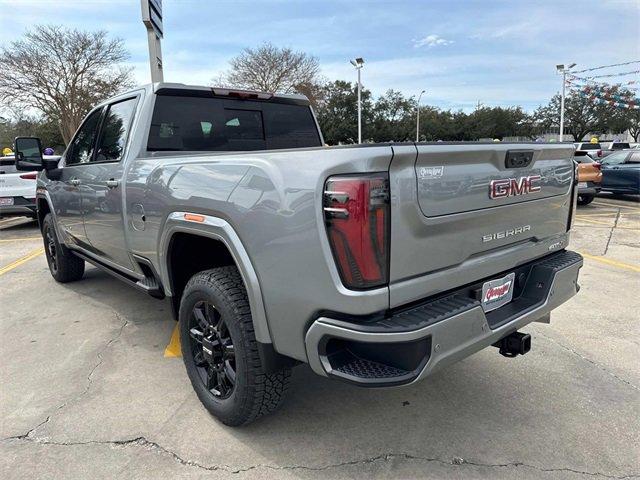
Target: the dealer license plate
(582, 185)
(496, 293)
(6, 201)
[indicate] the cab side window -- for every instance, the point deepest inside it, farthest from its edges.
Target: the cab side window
(81, 149)
(614, 159)
(115, 129)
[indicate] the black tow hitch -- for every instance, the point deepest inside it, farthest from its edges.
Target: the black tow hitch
(514, 344)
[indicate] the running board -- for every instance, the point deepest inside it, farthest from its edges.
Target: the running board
(150, 286)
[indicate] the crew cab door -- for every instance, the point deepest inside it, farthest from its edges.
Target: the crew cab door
(65, 191)
(621, 172)
(102, 185)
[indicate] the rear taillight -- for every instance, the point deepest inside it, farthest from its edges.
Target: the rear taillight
(29, 176)
(597, 165)
(357, 214)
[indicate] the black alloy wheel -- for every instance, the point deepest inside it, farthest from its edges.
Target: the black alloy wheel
(52, 253)
(212, 350)
(220, 350)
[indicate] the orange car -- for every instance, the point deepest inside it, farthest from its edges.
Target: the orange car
(589, 178)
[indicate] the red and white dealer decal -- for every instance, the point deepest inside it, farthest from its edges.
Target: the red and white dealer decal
(496, 293)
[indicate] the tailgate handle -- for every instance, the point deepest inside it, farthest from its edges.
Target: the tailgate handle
(518, 158)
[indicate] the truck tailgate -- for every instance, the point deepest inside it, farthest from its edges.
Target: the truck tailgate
(460, 212)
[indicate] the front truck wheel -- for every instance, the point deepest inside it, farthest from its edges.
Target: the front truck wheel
(63, 264)
(220, 351)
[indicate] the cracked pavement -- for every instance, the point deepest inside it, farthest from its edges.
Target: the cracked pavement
(87, 392)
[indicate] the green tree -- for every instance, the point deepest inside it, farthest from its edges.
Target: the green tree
(337, 113)
(634, 124)
(394, 118)
(619, 119)
(45, 129)
(498, 122)
(581, 116)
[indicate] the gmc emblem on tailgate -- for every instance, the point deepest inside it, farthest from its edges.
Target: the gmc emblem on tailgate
(512, 187)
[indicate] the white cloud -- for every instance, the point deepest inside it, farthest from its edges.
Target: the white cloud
(431, 41)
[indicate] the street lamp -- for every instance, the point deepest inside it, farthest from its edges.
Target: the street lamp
(561, 69)
(358, 63)
(418, 116)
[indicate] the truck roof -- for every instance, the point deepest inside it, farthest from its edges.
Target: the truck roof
(181, 89)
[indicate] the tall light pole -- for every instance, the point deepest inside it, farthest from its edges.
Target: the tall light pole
(561, 69)
(418, 116)
(358, 63)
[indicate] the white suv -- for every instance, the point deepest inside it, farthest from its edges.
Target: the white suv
(17, 189)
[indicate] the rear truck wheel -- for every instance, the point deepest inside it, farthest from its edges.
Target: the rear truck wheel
(585, 199)
(63, 264)
(220, 350)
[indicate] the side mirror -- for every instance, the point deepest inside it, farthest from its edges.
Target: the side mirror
(28, 153)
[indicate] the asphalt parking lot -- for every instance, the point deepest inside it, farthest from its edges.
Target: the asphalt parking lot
(91, 387)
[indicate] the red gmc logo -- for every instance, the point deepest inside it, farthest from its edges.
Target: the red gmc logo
(511, 187)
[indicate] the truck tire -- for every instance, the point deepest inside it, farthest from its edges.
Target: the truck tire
(220, 350)
(585, 199)
(63, 264)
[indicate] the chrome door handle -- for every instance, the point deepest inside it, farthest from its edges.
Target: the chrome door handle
(74, 181)
(111, 183)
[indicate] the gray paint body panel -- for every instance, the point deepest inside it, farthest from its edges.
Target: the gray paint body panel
(432, 254)
(266, 206)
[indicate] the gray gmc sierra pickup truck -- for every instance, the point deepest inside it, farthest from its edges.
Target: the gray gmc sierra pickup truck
(375, 264)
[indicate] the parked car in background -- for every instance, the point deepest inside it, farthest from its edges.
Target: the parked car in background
(589, 178)
(17, 189)
(609, 147)
(621, 172)
(594, 150)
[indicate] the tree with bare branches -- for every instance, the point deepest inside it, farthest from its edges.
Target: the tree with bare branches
(268, 68)
(62, 73)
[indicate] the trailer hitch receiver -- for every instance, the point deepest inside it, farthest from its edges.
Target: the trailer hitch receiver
(514, 344)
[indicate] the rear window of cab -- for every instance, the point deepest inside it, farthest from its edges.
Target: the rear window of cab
(590, 146)
(182, 123)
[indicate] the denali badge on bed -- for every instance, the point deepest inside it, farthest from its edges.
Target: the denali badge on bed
(512, 187)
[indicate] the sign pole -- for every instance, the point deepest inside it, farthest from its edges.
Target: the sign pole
(152, 20)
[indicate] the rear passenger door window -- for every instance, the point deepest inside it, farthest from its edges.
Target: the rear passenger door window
(115, 131)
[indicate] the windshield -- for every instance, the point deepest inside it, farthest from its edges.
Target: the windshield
(619, 146)
(590, 146)
(220, 124)
(615, 158)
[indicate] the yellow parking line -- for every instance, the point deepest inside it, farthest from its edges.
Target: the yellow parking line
(597, 222)
(608, 261)
(589, 215)
(21, 260)
(173, 349)
(6, 240)
(616, 206)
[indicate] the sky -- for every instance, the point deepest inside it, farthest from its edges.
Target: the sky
(498, 53)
